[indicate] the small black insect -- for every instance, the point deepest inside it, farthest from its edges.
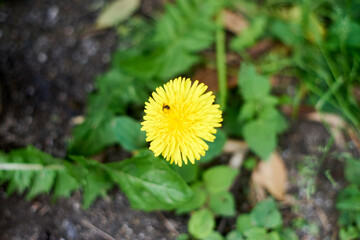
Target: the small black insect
(167, 107)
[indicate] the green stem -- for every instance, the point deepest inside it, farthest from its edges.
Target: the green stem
(221, 61)
(29, 167)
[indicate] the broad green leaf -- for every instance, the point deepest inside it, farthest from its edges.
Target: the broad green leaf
(255, 233)
(288, 234)
(222, 204)
(265, 214)
(219, 179)
(127, 132)
(197, 201)
(149, 183)
(97, 184)
(116, 12)
(274, 120)
(250, 163)
(42, 183)
(150, 62)
(215, 148)
(188, 172)
(64, 185)
(247, 111)
(352, 171)
(201, 223)
(351, 204)
(183, 236)
(234, 235)
(260, 137)
(348, 197)
(93, 135)
(101, 130)
(253, 86)
(214, 236)
(273, 236)
(349, 233)
(243, 223)
(114, 91)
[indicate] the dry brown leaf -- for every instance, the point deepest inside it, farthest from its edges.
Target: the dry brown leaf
(208, 76)
(260, 48)
(331, 119)
(77, 120)
(257, 192)
(356, 92)
(234, 145)
(272, 176)
(354, 137)
(238, 149)
(336, 123)
(234, 22)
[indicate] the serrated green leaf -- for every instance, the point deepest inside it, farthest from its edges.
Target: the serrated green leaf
(222, 204)
(150, 62)
(243, 222)
(127, 132)
(116, 12)
(215, 148)
(252, 85)
(19, 181)
(97, 184)
(197, 201)
(42, 183)
(219, 179)
(183, 30)
(266, 215)
(201, 223)
(261, 138)
(78, 172)
(149, 183)
(64, 185)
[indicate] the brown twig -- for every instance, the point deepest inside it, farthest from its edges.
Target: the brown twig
(168, 224)
(100, 232)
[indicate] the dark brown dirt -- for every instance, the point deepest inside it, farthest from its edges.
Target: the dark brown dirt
(49, 58)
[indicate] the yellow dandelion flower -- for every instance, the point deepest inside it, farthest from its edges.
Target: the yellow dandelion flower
(178, 118)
